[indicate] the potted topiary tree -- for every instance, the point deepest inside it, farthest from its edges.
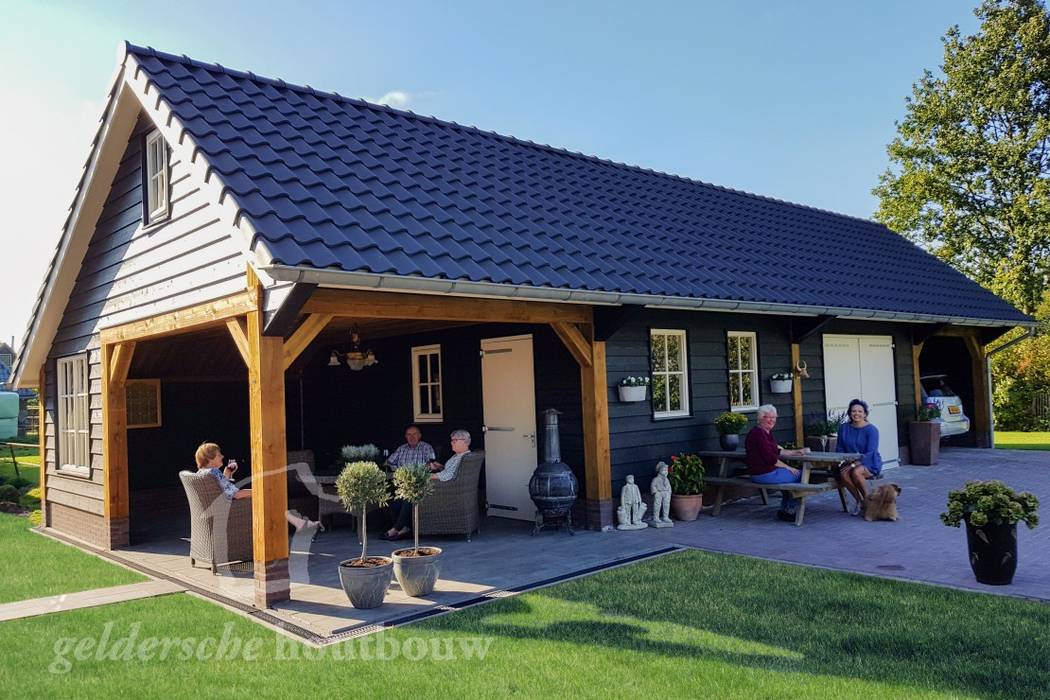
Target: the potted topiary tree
(924, 435)
(365, 579)
(417, 568)
(729, 426)
(991, 511)
(686, 473)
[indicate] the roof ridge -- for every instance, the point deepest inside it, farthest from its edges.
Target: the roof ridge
(186, 60)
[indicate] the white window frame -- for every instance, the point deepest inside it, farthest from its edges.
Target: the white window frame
(74, 415)
(755, 386)
(684, 371)
(156, 194)
(431, 385)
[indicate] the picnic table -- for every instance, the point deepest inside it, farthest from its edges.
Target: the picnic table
(822, 462)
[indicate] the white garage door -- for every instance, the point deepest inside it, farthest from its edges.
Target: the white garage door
(861, 367)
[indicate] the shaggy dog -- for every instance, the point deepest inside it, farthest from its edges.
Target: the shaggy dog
(882, 503)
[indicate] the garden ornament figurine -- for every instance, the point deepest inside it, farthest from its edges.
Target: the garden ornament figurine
(801, 370)
(631, 507)
(660, 487)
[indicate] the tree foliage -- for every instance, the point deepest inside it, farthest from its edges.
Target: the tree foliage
(968, 175)
(1021, 377)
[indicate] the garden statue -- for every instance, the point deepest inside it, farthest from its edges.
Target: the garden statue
(631, 507)
(661, 490)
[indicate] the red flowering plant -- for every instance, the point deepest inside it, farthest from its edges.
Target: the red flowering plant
(686, 473)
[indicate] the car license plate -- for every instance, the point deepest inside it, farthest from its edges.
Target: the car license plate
(954, 410)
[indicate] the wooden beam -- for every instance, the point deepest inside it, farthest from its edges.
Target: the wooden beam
(303, 336)
(269, 480)
(251, 280)
(981, 415)
(804, 328)
(114, 441)
(596, 453)
(122, 355)
(916, 352)
(238, 328)
(358, 304)
(213, 313)
(796, 393)
(282, 321)
(573, 339)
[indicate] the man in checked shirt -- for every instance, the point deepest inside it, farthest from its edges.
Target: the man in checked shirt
(414, 451)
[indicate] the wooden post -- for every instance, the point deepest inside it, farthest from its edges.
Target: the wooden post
(796, 394)
(916, 351)
(982, 418)
(41, 408)
(269, 455)
(116, 361)
(596, 453)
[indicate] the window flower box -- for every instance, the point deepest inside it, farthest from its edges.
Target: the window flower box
(633, 389)
(780, 383)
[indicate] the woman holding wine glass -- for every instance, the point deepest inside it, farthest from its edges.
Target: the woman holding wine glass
(857, 435)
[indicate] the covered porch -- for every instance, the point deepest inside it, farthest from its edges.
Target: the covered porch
(288, 399)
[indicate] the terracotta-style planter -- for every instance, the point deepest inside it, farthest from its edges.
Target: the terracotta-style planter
(417, 575)
(686, 507)
(366, 586)
(924, 439)
(813, 443)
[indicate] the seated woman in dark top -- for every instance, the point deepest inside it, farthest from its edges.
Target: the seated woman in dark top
(763, 459)
(858, 435)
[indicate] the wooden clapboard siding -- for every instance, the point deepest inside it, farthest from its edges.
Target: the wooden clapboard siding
(130, 272)
(638, 441)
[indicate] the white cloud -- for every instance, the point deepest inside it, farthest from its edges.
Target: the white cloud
(398, 99)
(45, 137)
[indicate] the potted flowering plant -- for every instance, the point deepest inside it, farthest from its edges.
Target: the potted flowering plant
(991, 511)
(924, 435)
(365, 579)
(780, 383)
(416, 568)
(686, 473)
(729, 426)
(633, 388)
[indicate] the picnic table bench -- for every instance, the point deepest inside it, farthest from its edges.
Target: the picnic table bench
(801, 490)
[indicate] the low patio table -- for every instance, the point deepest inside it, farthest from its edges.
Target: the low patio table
(803, 489)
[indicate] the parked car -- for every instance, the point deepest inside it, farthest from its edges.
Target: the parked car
(935, 389)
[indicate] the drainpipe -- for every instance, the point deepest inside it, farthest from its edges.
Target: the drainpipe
(1030, 333)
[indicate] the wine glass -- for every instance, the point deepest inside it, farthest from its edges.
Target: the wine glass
(823, 443)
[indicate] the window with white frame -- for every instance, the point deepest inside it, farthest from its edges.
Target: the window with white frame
(667, 359)
(156, 177)
(426, 384)
(742, 360)
(74, 429)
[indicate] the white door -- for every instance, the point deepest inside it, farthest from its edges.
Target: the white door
(861, 367)
(509, 407)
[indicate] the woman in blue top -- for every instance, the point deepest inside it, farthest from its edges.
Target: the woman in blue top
(858, 435)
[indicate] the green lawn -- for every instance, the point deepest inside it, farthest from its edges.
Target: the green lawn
(1022, 441)
(687, 625)
(36, 566)
(28, 463)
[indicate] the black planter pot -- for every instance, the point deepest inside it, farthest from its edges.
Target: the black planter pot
(729, 442)
(993, 553)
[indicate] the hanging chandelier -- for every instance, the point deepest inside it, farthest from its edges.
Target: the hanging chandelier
(356, 358)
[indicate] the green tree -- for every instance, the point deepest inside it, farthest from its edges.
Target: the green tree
(968, 174)
(1020, 374)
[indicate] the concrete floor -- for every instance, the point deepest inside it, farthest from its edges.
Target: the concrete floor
(506, 558)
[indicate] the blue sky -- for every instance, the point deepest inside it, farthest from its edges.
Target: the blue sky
(795, 100)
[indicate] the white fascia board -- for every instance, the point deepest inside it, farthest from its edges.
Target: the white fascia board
(422, 285)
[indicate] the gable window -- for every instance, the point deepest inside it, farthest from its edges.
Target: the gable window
(667, 358)
(156, 178)
(742, 360)
(73, 425)
(426, 384)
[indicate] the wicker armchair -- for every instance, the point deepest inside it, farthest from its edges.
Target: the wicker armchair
(220, 530)
(452, 509)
